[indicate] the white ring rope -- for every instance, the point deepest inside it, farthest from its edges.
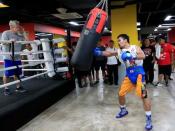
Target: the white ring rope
(20, 42)
(64, 59)
(40, 60)
(38, 42)
(20, 66)
(60, 69)
(24, 53)
(24, 79)
(48, 59)
(34, 69)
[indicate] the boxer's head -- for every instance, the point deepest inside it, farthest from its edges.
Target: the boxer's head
(123, 40)
(111, 43)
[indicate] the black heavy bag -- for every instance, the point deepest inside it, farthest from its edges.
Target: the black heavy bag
(83, 55)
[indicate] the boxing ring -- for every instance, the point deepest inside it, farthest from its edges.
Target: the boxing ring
(18, 108)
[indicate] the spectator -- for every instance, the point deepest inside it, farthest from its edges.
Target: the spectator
(112, 64)
(16, 33)
(164, 62)
(148, 62)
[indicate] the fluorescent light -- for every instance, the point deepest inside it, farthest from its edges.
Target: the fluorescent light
(168, 18)
(166, 26)
(155, 29)
(168, 29)
(73, 23)
(3, 5)
(138, 29)
(169, 24)
(138, 23)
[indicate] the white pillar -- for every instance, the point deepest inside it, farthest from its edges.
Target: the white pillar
(48, 57)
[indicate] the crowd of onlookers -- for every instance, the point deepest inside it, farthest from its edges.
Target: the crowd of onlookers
(158, 52)
(161, 53)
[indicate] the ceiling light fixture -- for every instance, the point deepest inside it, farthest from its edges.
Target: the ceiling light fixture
(168, 18)
(168, 29)
(138, 23)
(155, 29)
(73, 23)
(166, 25)
(3, 5)
(169, 24)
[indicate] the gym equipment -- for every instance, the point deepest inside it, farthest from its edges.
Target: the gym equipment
(93, 28)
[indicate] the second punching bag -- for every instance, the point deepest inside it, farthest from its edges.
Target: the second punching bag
(83, 55)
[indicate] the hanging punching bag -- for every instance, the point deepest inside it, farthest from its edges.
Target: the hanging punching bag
(83, 55)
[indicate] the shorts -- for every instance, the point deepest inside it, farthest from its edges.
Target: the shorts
(133, 72)
(100, 64)
(165, 69)
(127, 86)
(12, 72)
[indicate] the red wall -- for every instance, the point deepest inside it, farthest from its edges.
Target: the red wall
(31, 28)
(171, 35)
(105, 39)
(4, 27)
(54, 30)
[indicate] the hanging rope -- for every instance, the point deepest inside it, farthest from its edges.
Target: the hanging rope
(103, 4)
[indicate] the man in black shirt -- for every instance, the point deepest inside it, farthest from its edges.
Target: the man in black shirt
(149, 60)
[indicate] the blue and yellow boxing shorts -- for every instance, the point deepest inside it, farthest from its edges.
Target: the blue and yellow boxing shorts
(133, 72)
(135, 76)
(12, 72)
(127, 86)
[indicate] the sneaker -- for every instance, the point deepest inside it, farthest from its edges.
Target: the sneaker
(20, 89)
(110, 83)
(166, 83)
(152, 83)
(148, 125)
(159, 84)
(80, 86)
(123, 112)
(170, 78)
(85, 85)
(96, 82)
(105, 81)
(91, 84)
(6, 92)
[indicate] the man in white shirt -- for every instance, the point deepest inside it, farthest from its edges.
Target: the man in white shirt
(112, 64)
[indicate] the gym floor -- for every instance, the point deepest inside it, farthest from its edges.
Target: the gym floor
(94, 109)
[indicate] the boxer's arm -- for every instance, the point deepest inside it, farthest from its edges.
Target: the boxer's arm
(140, 54)
(108, 53)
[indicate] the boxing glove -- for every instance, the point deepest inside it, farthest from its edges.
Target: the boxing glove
(127, 56)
